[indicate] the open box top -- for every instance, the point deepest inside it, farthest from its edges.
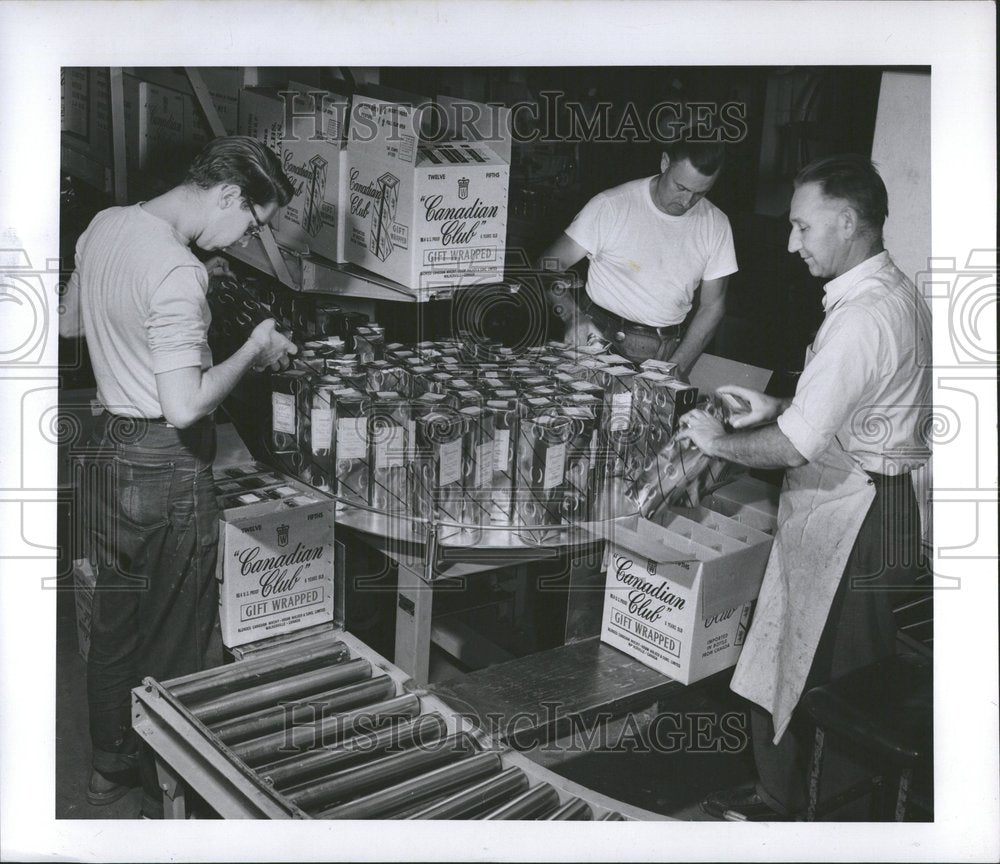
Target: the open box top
(723, 556)
(396, 126)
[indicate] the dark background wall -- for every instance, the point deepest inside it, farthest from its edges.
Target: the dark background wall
(790, 115)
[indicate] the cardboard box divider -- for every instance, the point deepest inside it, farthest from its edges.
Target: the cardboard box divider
(679, 595)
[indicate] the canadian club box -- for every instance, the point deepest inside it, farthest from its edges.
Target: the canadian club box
(275, 565)
(426, 214)
(314, 159)
(679, 596)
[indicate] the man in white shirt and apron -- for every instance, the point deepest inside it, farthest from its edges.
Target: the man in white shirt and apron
(848, 525)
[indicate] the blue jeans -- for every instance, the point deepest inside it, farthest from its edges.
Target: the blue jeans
(153, 525)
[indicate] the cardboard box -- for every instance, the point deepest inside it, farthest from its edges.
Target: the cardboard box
(74, 101)
(154, 126)
(99, 121)
(314, 158)
(426, 215)
(749, 501)
(275, 565)
(679, 596)
(262, 116)
(84, 580)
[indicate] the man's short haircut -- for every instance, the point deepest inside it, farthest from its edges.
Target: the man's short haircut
(852, 178)
(244, 162)
(707, 156)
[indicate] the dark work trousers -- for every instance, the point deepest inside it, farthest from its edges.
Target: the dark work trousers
(860, 629)
(634, 344)
(153, 524)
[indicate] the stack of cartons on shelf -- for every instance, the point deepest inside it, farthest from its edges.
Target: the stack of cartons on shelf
(427, 212)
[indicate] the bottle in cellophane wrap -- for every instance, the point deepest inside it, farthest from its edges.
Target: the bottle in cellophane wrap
(353, 475)
(437, 488)
(622, 435)
(541, 471)
(659, 401)
(505, 418)
(318, 440)
(381, 375)
(681, 474)
(466, 396)
(578, 491)
(388, 423)
(421, 475)
(369, 343)
(290, 392)
(477, 468)
(419, 379)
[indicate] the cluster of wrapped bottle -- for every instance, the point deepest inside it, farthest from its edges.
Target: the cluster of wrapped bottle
(474, 435)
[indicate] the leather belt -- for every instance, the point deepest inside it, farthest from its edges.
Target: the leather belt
(619, 323)
(128, 418)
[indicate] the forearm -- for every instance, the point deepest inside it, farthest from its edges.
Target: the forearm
(699, 333)
(216, 384)
(560, 295)
(70, 318)
(765, 447)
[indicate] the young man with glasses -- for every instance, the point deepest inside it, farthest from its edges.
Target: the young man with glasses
(138, 296)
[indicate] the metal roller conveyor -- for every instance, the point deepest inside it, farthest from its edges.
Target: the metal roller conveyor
(387, 802)
(322, 727)
(283, 662)
(382, 772)
(468, 803)
(320, 705)
(330, 730)
(536, 803)
(295, 687)
(361, 748)
(574, 810)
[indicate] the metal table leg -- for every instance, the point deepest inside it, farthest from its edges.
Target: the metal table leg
(174, 806)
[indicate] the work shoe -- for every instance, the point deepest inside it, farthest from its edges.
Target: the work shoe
(103, 790)
(740, 804)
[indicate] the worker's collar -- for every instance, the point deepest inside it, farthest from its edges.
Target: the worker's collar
(845, 285)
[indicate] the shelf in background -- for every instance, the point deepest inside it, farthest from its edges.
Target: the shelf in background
(345, 280)
(85, 167)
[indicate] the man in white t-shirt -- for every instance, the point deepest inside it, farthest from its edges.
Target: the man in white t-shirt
(654, 245)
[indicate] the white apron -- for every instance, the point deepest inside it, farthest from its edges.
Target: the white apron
(820, 512)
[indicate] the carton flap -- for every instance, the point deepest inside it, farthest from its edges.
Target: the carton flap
(735, 579)
(711, 372)
(230, 449)
(633, 533)
(474, 121)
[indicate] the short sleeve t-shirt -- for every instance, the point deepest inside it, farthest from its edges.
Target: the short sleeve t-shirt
(645, 265)
(143, 304)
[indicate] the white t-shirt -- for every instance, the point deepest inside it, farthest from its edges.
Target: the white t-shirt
(645, 265)
(143, 304)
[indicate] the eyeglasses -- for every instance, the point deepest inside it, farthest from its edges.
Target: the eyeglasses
(255, 229)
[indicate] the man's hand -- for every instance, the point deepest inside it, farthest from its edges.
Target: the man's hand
(218, 265)
(579, 334)
(763, 408)
(272, 348)
(702, 430)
